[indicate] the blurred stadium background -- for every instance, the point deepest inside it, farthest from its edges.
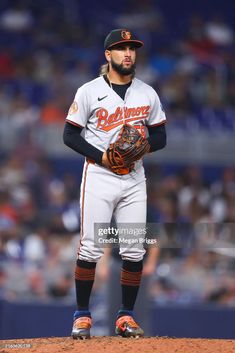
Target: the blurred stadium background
(47, 50)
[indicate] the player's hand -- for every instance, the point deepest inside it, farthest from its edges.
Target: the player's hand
(149, 268)
(105, 161)
(129, 147)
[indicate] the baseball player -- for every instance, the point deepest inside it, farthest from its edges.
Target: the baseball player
(101, 108)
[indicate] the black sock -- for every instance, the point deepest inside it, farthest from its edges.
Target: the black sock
(130, 281)
(84, 279)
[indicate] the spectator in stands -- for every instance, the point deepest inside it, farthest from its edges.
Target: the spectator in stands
(219, 32)
(17, 18)
(53, 112)
(195, 72)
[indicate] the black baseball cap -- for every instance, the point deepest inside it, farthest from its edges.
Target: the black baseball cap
(119, 36)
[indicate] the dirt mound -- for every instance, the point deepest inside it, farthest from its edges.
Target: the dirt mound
(117, 345)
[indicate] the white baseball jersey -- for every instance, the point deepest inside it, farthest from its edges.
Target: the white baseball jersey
(102, 112)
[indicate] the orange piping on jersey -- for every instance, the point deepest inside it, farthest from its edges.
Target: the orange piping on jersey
(73, 123)
(161, 123)
(82, 207)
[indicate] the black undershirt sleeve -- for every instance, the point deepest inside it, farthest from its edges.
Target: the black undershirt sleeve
(73, 139)
(157, 137)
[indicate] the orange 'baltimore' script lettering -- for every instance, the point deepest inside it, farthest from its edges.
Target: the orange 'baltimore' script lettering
(121, 116)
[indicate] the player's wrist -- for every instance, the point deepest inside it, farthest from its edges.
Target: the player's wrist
(105, 160)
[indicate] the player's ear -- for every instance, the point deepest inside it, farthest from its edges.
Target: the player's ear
(107, 55)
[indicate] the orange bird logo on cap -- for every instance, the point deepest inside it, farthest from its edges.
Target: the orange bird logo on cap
(126, 35)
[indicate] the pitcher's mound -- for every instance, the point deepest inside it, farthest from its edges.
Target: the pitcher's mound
(117, 345)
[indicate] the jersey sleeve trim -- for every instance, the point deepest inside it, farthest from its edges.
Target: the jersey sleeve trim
(73, 123)
(161, 123)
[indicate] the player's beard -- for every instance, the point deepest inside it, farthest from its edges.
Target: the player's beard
(121, 70)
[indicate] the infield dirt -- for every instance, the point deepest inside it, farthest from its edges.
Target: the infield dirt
(117, 345)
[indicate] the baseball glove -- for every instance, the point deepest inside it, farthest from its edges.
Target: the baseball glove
(129, 148)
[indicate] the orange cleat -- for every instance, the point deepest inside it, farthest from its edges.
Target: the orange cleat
(81, 328)
(127, 327)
